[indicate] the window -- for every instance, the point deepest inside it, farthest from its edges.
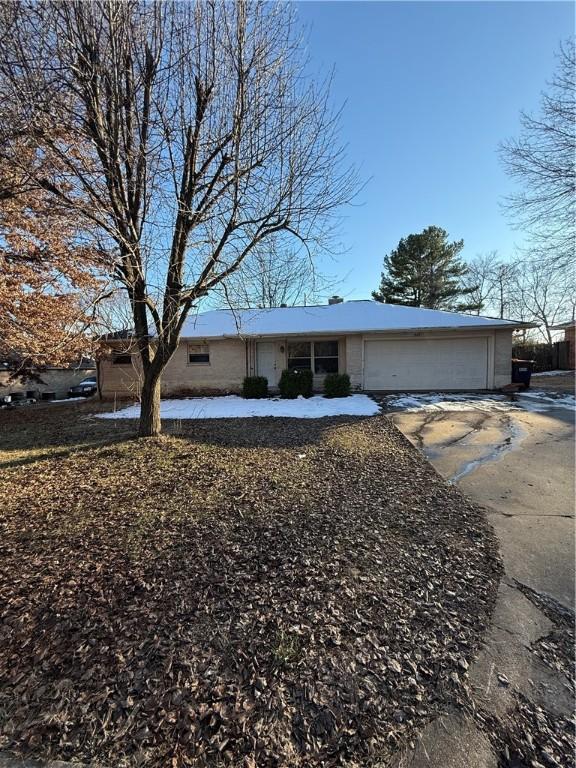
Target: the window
(300, 356)
(325, 357)
(121, 358)
(320, 356)
(198, 354)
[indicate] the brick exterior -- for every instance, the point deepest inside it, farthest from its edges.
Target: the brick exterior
(232, 359)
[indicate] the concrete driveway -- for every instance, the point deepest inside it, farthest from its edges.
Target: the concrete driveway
(517, 461)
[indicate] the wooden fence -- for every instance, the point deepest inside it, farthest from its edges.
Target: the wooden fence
(547, 357)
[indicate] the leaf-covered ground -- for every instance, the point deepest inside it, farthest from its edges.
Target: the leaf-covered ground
(259, 592)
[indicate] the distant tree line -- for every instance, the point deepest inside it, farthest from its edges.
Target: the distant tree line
(526, 289)
(425, 270)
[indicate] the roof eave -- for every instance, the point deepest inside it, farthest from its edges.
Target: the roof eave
(510, 326)
(563, 326)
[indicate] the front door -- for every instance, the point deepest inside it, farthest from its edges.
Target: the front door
(266, 361)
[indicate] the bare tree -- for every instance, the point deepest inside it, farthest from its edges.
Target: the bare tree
(481, 279)
(543, 295)
(525, 289)
(274, 274)
(206, 139)
(503, 288)
(542, 161)
(495, 284)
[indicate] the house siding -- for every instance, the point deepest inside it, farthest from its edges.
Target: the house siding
(502, 358)
(354, 360)
(224, 373)
(232, 359)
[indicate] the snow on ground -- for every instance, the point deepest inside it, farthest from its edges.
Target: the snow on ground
(552, 373)
(534, 400)
(545, 401)
(234, 407)
(436, 401)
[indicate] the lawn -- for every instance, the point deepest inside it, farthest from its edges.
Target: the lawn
(246, 592)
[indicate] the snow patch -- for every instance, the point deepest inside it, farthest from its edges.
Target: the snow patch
(545, 401)
(234, 407)
(534, 401)
(552, 373)
(442, 402)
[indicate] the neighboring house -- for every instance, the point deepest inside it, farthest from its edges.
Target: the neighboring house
(381, 347)
(46, 384)
(567, 353)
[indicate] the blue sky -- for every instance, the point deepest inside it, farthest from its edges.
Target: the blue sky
(431, 88)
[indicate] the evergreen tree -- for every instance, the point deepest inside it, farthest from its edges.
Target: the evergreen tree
(424, 271)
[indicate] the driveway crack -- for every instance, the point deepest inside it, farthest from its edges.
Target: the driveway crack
(493, 511)
(509, 443)
(550, 607)
(418, 435)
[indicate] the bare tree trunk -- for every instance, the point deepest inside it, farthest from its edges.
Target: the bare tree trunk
(150, 425)
(196, 137)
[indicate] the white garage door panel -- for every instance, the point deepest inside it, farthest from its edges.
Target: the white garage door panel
(426, 364)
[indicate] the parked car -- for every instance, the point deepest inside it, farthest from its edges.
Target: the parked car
(86, 388)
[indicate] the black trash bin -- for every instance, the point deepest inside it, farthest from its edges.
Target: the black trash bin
(522, 372)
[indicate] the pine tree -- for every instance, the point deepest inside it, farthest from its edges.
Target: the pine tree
(424, 271)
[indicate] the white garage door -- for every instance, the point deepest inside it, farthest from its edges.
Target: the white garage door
(426, 364)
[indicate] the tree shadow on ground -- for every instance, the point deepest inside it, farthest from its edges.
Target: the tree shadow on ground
(43, 431)
(32, 434)
(256, 432)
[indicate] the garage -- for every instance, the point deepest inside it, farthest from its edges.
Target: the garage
(426, 364)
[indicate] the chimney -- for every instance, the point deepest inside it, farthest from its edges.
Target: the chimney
(335, 300)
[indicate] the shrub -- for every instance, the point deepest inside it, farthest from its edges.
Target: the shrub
(294, 383)
(337, 385)
(254, 387)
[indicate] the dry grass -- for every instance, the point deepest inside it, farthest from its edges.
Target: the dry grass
(260, 592)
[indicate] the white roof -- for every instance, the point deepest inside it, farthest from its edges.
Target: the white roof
(347, 317)
(563, 326)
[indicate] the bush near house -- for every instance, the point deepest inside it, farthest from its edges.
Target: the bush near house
(337, 385)
(295, 383)
(255, 387)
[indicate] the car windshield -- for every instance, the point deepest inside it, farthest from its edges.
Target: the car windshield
(91, 380)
